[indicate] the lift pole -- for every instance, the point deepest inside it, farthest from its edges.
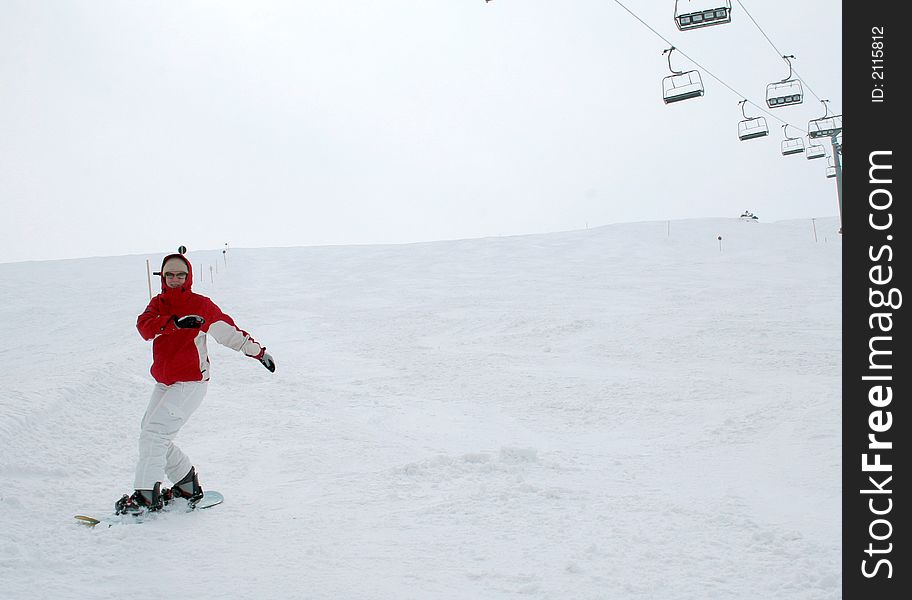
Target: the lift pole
(837, 162)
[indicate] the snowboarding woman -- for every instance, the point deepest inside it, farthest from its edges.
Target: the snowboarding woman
(178, 321)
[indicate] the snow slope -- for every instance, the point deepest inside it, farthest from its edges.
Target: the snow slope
(627, 412)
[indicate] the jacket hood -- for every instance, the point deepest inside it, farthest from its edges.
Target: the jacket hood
(188, 282)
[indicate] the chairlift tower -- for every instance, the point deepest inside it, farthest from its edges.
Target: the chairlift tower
(830, 127)
(837, 162)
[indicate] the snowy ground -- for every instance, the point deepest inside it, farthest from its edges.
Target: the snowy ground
(616, 413)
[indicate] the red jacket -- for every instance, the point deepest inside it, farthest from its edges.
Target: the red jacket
(181, 354)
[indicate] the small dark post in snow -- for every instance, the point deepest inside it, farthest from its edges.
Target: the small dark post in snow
(814, 224)
(720, 243)
(669, 229)
(211, 276)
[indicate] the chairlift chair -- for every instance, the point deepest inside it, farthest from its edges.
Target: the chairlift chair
(814, 151)
(826, 126)
(831, 167)
(680, 85)
(691, 14)
(785, 92)
(751, 127)
(791, 145)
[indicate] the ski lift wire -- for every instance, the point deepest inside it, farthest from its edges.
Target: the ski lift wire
(754, 21)
(645, 24)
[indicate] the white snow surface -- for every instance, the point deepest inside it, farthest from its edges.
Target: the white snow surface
(636, 411)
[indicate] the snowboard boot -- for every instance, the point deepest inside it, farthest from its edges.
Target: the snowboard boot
(140, 501)
(188, 487)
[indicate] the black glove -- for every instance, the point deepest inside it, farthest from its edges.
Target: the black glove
(267, 361)
(189, 322)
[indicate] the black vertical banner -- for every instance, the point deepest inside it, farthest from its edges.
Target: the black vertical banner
(876, 369)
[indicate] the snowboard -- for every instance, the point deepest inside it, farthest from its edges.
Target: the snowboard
(210, 498)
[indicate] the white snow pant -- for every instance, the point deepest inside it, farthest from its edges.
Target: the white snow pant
(169, 408)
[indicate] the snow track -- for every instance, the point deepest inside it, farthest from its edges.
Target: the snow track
(606, 414)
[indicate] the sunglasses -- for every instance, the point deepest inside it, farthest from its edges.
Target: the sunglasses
(177, 275)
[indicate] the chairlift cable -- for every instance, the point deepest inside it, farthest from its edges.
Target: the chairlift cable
(754, 21)
(645, 24)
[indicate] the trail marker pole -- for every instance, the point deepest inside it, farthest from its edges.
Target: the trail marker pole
(149, 274)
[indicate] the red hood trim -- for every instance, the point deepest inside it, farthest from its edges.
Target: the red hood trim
(188, 283)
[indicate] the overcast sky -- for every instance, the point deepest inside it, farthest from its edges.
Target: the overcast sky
(134, 127)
